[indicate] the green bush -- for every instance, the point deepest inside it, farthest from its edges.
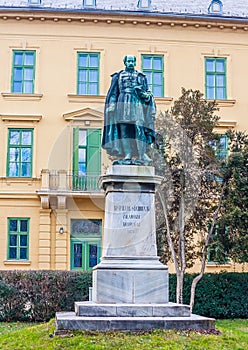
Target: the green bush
(222, 295)
(38, 295)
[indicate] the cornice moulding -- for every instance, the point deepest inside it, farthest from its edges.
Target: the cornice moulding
(125, 17)
(20, 118)
(163, 100)
(17, 262)
(224, 103)
(227, 124)
(21, 97)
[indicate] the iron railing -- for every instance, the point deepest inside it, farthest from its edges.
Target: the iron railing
(69, 181)
(83, 182)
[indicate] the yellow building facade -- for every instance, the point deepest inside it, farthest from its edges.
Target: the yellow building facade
(54, 75)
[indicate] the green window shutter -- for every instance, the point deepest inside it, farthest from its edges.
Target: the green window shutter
(153, 68)
(88, 73)
(86, 158)
(23, 72)
(215, 78)
(93, 151)
(20, 152)
(18, 238)
(93, 158)
(89, 161)
(79, 158)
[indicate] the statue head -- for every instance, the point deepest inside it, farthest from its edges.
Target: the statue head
(130, 62)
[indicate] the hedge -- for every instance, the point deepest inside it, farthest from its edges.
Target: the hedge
(222, 295)
(37, 295)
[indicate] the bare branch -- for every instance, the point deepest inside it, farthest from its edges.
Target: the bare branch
(204, 252)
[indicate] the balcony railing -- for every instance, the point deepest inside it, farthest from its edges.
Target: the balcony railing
(83, 182)
(62, 180)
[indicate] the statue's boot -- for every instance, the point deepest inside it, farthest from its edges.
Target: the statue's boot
(127, 151)
(143, 157)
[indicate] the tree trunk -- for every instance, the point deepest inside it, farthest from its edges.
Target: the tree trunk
(204, 253)
(182, 247)
(179, 288)
(179, 296)
(168, 235)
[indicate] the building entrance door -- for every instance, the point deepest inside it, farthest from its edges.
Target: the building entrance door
(85, 244)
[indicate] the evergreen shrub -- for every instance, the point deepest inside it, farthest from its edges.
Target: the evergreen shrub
(37, 295)
(222, 295)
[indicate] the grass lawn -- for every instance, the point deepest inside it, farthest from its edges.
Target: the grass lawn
(18, 336)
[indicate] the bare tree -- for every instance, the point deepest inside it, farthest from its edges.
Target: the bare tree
(190, 195)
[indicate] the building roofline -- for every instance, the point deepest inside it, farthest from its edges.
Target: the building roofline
(138, 13)
(124, 17)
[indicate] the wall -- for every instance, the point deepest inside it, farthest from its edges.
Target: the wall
(55, 107)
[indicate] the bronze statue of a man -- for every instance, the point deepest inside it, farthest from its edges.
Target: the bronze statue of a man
(129, 116)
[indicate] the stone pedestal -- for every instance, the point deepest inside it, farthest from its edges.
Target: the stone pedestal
(137, 282)
(130, 271)
(130, 285)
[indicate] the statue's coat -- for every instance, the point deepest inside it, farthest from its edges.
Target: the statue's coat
(111, 140)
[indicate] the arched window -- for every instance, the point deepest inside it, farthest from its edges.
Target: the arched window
(34, 2)
(89, 3)
(215, 7)
(144, 4)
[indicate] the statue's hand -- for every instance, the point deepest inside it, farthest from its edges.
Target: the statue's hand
(143, 95)
(146, 96)
(111, 108)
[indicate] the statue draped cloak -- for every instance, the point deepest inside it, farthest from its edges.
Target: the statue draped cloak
(111, 140)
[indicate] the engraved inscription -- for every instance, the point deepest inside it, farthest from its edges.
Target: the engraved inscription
(132, 214)
(141, 208)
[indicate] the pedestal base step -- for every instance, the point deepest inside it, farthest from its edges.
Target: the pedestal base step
(69, 321)
(89, 309)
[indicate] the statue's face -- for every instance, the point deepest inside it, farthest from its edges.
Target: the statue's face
(130, 62)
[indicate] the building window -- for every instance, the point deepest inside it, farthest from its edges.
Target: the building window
(153, 68)
(88, 74)
(19, 155)
(85, 243)
(18, 237)
(34, 2)
(144, 4)
(215, 7)
(86, 158)
(89, 3)
(23, 72)
(220, 147)
(215, 80)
